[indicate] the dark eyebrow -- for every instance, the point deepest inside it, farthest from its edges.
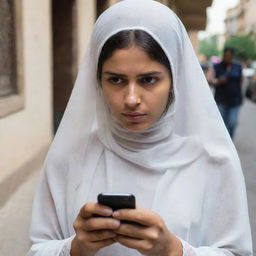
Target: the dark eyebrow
(114, 74)
(140, 75)
(152, 73)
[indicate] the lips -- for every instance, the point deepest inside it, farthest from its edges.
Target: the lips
(134, 116)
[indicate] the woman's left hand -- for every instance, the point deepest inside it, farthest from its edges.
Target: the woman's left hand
(150, 236)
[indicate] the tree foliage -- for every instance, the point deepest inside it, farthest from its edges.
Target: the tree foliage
(208, 47)
(244, 45)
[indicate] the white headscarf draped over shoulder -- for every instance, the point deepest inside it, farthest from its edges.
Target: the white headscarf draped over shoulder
(191, 128)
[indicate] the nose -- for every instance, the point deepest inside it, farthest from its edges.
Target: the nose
(132, 96)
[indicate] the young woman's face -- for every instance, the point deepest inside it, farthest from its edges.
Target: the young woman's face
(135, 87)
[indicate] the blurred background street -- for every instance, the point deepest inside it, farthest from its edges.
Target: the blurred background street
(42, 44)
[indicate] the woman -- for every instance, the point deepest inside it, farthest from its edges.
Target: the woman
(141, 119)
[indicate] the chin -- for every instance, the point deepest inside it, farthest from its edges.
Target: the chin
(136, 127)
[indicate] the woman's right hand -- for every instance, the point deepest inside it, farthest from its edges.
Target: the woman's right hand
(93, 232)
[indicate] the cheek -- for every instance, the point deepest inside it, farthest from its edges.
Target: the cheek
(163, 103)
(161, 100)
(112, 101)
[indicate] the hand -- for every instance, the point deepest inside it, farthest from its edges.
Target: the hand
(218, 81)
(150, 237)
(222, 80)
(93, 233)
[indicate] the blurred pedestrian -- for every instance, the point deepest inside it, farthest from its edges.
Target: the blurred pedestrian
(228, 91)
(208, 70)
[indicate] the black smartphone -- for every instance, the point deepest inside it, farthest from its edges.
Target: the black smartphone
(117, 201)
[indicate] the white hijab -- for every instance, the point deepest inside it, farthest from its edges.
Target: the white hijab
(191, 128)
(192, 117)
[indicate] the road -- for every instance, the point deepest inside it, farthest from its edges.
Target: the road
(245, 142)
(15, 212)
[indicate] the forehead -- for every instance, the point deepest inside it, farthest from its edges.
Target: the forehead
(132, 59)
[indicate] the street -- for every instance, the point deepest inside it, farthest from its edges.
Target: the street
(245, 142)
(15, 212)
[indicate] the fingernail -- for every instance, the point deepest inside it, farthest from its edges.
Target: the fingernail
(107, 211)
(116, 223)
(115, 214)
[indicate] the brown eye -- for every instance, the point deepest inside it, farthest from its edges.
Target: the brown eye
(150, 80)
(115, 80)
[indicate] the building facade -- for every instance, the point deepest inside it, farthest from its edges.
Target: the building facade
(241, 19)
(30, 91)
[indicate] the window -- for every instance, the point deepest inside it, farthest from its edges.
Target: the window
(11, 93)
(7, 49)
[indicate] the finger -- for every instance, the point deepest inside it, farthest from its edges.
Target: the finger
(100, 223)
(138, 231)
(105, 243)
(92, 208)
(140, 215)
(133, 243)
(99, 235)
(95, 246)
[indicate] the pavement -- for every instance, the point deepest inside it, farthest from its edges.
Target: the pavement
(14, 220)
(16, 192)
(245, 142)
(16, 196)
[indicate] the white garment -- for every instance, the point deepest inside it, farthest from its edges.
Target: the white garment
(184, 167)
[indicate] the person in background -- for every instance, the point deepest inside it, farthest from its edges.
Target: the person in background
(228, 92)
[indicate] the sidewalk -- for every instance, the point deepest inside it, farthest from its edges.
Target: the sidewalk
(15, 218)
(17, 192)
